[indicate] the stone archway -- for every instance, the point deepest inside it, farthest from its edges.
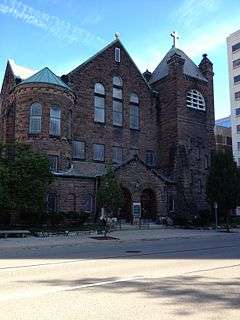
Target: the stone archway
(148, 204)
(126, 210)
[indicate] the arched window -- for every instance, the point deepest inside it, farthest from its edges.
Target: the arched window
(55, 121)
(99, 103)
(134, 112)
(35, 124)
(88, 202)
(117, 101)
(195, 100)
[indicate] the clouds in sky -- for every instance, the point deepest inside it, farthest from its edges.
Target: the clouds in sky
(59, 28)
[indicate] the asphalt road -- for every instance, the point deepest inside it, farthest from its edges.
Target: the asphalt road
(196, 278)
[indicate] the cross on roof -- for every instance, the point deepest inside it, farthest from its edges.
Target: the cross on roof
(175, 36)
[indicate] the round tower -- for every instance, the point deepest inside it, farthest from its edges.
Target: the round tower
(43, 116)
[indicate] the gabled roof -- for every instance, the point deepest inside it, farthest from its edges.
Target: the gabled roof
(45, 76)
(20, 71)
(114, 42)
(190, 68)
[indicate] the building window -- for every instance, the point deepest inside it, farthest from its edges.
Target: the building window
(51, 202)
(53, 163)
(238, 162)
(98, 152)
(35, 118)
(117, 54)
(237, 110)
(236, 47)
(195, 100)
(199, 186)
(171, 204)
(117, 156)
(237, 95)
(78, 150)
(238, 128)
(236, 63)
(150, 158)
(99, 103)
(88, 203)
(238, 146)
(117, 101)
(206, 164)
(236, 79)
(55, 121)
(134, 112)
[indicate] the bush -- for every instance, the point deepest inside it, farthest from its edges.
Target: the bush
(5, 218)
(56, 219)
(203, 219)
(182, 220)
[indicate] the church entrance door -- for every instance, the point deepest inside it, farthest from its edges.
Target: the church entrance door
(149, 204)
(126, 210)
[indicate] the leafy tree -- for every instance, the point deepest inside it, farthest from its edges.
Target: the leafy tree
(24, 178)
(223, 183)
(110, 195)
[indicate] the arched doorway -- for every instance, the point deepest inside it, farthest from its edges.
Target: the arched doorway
(126, 210)
(149, 204)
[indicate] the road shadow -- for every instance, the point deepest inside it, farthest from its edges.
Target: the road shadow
(191, 290)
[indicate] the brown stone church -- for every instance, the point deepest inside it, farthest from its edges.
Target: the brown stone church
(155, 128)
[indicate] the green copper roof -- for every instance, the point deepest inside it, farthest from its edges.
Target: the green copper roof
(46, 76)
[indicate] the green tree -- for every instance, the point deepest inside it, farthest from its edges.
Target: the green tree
(24, 178)
(223, 183)
(109, 194)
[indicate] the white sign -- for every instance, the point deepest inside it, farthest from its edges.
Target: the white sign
(136, 208)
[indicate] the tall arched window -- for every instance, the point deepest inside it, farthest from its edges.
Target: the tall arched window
(195, 100)
(117, 101)
(99, 103)
(55, 121)
(134, 112)
(88, 202)
(35, 124)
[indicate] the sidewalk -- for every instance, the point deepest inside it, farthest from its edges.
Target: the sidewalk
(157, 233)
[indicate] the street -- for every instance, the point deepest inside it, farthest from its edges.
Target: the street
(196, 278)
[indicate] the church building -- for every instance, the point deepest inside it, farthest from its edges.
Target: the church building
(156, 129)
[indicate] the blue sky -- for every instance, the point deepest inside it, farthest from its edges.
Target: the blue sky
(61, 34)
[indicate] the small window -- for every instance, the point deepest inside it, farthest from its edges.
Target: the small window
(35, 118)
(78, 150)
(199, 186)
(238, 146)
(237, 111)
(150, 158)
(117, 156)
(206, 164)
(99, 103)
(88, 203)
(236, 79)
(117, 54)
(238, 128)
(53, 163)
(195, 100)
(237, 95)
(171, 204)
(236, 63)
(71, 202)
(134, 98)
(55, 121)
(238, 162)
(98, 152)
(236, 47)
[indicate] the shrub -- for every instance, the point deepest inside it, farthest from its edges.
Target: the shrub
(204, 218)
(182, 220)
(5, 218)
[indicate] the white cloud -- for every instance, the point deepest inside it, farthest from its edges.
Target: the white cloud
(192, 10)
(59, 28)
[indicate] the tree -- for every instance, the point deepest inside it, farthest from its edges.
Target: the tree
(223, 183)
(110, 195)
(24, 178)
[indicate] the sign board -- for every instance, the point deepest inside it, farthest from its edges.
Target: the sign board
(136, 209)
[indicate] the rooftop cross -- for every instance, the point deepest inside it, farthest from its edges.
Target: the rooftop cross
(175, 36)
(117, 35)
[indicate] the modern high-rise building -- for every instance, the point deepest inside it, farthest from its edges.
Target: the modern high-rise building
(233, 45)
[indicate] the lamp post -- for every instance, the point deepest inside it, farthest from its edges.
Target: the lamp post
(216, 215)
